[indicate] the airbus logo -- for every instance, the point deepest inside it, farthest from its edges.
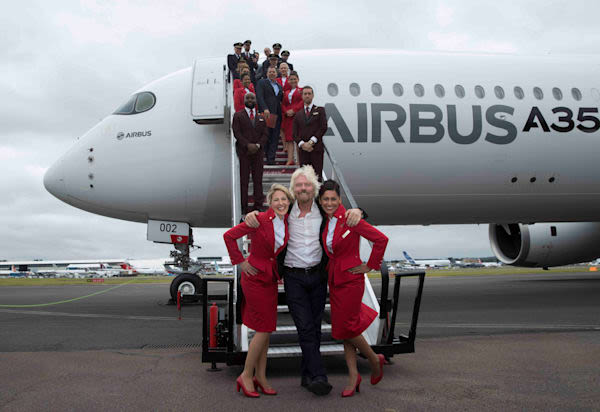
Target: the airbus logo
(428, 123)
(123, 135)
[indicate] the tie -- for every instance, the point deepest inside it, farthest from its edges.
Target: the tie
(252, 115)
(307, 112)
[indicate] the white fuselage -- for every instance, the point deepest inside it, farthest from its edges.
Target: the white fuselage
(401, 167)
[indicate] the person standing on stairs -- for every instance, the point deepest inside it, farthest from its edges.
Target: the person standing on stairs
(310, 125)
(290, 105)
(259, 284)
(269, 94)
(250, 132)
(302, 265)
(349, 316)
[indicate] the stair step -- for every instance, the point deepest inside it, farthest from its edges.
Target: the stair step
(294, 350)
(285, 309)
(284, 329)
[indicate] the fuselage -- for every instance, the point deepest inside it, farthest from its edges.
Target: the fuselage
(408, 157)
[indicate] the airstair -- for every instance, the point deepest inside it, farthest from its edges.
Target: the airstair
(230, 338)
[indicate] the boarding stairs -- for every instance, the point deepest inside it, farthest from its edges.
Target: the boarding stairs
(232, 336)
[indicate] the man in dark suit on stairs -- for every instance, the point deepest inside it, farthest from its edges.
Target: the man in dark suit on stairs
(310, 124)
(269, 94)
(233, 59)
(250, 132)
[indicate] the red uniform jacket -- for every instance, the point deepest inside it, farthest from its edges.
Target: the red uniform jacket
(346, 247)
(237, 84)
(262, 249)
(315, 125)
(287, 123)
(245, 133)
(287, 86)
(238, 96)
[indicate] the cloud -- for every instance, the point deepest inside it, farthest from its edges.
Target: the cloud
(66, 65)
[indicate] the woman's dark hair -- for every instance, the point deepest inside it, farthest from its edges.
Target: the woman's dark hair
(329, 185)
(244, 75)
(293, 73)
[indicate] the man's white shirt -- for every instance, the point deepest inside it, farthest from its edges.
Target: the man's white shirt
(304, 249)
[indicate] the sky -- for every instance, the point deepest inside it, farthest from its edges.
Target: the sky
(67, 64)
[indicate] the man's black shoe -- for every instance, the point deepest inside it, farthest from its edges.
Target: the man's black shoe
(320, 388)
(306, 380)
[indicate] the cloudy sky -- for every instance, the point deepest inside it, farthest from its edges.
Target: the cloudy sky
(67, 64)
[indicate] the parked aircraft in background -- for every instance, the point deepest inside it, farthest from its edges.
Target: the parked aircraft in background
(427, 263)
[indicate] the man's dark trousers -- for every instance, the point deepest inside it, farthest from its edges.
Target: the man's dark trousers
(274, 139)
(251, 164)
(305, 292)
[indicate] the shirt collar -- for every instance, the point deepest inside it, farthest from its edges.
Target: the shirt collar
(309, 107)
(296, 209)
(248, 110)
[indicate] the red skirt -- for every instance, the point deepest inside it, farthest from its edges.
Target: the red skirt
(259, 306)
(287, 125)
(349, 316)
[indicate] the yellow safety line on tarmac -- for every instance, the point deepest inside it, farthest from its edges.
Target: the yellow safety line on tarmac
(37, 305)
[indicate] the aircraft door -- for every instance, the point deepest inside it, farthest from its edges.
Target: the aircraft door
(208, 91)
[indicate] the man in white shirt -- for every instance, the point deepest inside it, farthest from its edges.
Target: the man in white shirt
(305, 276)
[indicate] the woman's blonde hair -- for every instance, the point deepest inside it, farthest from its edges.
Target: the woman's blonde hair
(279, 187)
(308, 172)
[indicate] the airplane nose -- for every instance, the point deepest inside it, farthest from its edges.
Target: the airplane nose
(54, 180)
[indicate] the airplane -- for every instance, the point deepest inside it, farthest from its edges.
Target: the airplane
(421, 138)
(427, 263)
(145, 267)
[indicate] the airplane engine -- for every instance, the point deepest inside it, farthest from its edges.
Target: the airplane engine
(545, 244)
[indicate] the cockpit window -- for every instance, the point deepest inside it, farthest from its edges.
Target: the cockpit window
(127, 107)
(138, 103)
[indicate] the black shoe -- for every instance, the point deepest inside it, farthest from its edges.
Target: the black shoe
(305, 381)
(320, 388)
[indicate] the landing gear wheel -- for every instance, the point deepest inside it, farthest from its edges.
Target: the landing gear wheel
(188, 284)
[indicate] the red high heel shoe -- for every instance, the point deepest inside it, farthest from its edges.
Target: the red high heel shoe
(350, 392)
(375, 380)
(240, 384)
(258, 386)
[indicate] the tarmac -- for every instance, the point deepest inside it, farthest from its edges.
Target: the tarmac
(506, 342)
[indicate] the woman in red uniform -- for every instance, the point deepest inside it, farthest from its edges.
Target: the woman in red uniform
(259, 284)
(290, 104)
(283, 79)
(239, 93)
(349, 316)
(237, 83)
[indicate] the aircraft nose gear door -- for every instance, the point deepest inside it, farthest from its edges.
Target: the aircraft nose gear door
(208, 91)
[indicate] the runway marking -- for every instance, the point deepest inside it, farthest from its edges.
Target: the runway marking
(94, 315)
(503, 326)
(37, 305)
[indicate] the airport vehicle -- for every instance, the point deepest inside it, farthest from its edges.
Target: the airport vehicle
(506, 140)
(427, 263)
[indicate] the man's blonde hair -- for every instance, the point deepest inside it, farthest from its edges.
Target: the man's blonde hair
(274, 188)
(308, 172)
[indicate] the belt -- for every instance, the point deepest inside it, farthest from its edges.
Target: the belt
(303, 270)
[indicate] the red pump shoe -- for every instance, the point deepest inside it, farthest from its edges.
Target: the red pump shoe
(258, 386)
(240, 384)
(350, 392)
(375, 379)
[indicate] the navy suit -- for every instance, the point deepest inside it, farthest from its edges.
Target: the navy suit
(268, 100)
(232, 62)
